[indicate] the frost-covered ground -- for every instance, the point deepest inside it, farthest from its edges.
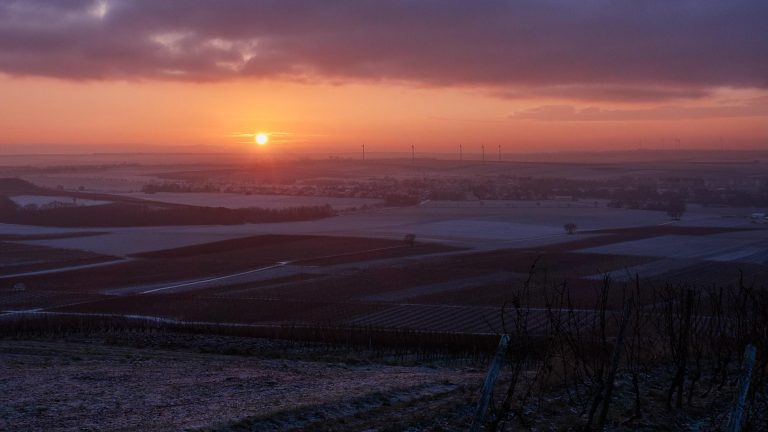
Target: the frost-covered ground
(90, 385)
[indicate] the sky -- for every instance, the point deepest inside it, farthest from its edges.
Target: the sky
(545, 75)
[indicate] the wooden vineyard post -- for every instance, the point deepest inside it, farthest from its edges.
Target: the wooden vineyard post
(490, 381)
(615, 358)
(737, 412)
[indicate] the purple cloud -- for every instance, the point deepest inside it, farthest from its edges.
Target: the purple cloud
(757, 107)
(599, 49)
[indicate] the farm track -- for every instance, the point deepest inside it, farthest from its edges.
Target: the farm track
(207, 282)
(401, 407)
(221, 263)
(12, 302)
(18, 259)
(64, 269)
(289, 268)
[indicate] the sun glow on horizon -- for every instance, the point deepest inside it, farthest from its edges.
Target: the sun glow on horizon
(261, 138)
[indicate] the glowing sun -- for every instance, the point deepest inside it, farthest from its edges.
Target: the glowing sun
(261, 138)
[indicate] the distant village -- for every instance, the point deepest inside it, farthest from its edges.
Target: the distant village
(625, 192)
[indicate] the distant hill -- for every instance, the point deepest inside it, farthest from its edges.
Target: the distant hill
(17, 186)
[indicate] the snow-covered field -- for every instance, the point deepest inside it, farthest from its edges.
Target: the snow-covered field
(564, 203)
(484, 228)
(720, 247)
(40, 200)
(481, 227)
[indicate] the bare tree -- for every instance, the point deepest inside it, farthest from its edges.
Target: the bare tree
(570, 228)
(676, 209)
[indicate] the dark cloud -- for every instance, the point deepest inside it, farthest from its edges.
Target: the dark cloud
(600, 49)
(752, 108)
(619, 93)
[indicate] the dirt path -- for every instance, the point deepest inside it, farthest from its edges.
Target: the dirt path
(65, 269)
(397, 409)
